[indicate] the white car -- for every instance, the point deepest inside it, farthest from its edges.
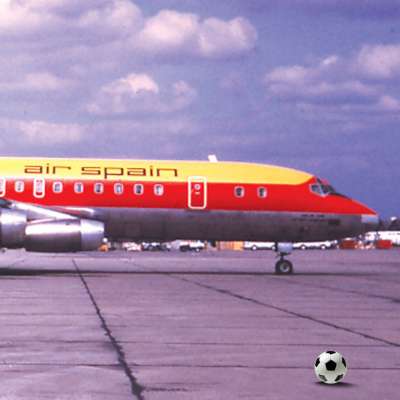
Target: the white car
(131, 246)
(191, 245)
(328, 244)
(259, 246)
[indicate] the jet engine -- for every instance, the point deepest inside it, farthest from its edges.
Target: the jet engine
(12, 228)
(67, 235)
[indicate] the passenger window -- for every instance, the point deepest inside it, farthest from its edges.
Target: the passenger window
(239, 191)
(19, 186)
(98, 188)
(57, 187)
(118, 188)
(158, 190)
(2, 186)
(78, 187)
(138, 189)
(38, 187)
(262, 192)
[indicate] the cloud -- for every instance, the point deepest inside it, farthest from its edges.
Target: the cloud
(140, 93)
(48, 134)
(65, 18)
(389, 103)
(340, 89)
(57, 50)
(41, 133)
(16, 17)
(323, 82)
(168, 31)
(379, 61)
(121, 25)
(40, 82)
(219, 38)
(171, 32)
(117, 137)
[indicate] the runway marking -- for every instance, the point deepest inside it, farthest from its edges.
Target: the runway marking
(136, 388)
(294, 313)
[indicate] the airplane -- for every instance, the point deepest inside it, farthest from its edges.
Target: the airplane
(69, 205)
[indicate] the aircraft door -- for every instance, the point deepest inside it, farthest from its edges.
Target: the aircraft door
(39, 187)
(197, 193)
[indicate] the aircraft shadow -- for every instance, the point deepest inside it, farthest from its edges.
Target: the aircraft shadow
(6, 271)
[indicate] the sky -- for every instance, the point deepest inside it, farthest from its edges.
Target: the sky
(308, 84)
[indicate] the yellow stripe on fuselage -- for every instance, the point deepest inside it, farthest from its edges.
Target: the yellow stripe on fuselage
(149, 170)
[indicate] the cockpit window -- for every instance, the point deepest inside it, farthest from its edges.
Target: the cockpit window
(322, 189)
(317, 189)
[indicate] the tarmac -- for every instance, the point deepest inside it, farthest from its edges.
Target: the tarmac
(213, 325)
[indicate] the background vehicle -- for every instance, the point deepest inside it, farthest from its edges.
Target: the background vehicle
(191, 245)
(155, 246)
(393, 236)
(131, 246)
(328, 244)
(259, 246)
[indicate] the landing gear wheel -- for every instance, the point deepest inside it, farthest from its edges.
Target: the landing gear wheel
(283, 267)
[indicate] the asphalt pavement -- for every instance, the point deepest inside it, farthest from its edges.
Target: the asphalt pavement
(213, 325)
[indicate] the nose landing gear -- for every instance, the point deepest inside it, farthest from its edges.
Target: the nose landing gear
(283, 266)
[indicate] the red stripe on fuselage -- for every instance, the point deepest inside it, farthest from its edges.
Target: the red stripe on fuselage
(220, 196)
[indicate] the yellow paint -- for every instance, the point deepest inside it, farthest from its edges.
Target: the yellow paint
(220, 172)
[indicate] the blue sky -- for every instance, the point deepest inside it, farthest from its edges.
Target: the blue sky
(310, 84)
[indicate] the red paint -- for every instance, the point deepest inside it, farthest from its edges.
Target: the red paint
(197, 188)
(218, 196)
(383, 244)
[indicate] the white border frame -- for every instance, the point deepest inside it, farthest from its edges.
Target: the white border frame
(193, 180)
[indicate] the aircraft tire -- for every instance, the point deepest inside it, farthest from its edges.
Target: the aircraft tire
(283, 267)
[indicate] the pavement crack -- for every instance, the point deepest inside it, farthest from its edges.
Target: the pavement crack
(287, 311)
(136, 388)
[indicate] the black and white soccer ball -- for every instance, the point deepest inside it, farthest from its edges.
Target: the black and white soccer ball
(330, 367)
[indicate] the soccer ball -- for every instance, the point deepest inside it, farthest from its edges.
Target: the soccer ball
(330, 367)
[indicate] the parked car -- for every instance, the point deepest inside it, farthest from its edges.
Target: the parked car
(349, 244)
(328, 244)
(191, 245)
(131, 246)
(155, 246)
(259, 246)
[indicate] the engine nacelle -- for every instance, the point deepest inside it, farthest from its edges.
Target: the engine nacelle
(67, 235)
(12, 228)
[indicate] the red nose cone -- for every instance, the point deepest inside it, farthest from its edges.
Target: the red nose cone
(345, 205)
(362, 209)
(369, 218)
